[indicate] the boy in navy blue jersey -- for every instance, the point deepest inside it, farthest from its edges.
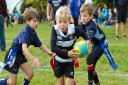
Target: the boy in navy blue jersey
(15, 56)
(95, 36)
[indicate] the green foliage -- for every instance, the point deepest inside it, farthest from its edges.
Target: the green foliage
(95, 2)
(40, 5)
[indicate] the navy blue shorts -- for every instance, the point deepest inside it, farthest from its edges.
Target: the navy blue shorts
(20, 59)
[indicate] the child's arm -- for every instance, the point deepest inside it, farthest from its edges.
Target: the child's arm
(80, 32)
(27, 53)
(46, 50)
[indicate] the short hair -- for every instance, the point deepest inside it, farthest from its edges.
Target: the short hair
(86, 8)
(30, 13)
(63, 12)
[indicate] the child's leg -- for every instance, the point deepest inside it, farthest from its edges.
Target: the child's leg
(11, 81)
(124, 30)
(90, 67)
(3, 81)
(69, 81)
(60, 81)
(95, 78)
(28, 71)
(117, 30)
(91, 60)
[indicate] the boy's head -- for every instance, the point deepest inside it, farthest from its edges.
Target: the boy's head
(63, 18)
(86, 13)
(31, 17)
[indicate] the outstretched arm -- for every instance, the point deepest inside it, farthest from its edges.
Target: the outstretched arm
(46, 50)
(27, 53)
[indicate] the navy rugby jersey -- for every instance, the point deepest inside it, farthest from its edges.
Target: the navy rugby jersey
(61, 42)
(28, 36)
(94, 33)
(56, 4)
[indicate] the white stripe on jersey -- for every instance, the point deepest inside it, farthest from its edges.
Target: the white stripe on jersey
(60, 35)
(65, 43)
(63, 60)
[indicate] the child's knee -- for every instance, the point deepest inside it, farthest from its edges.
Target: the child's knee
(89, 60)
(30, 75)
(90, 64)
(12, 82)
(90, 67)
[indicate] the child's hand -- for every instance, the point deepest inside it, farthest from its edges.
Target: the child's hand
(72, 54)
(52, 54)
(36, 62)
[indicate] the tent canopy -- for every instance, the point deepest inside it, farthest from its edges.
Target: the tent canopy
(11, 4)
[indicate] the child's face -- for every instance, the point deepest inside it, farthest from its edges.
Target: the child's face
(62, 23)
(33, 23)
(85, 17)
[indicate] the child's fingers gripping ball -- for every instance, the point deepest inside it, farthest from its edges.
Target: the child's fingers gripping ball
(81, 48)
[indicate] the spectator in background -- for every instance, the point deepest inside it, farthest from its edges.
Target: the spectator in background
(121, 12)
(110, 18)
(74, 6)
(8, 21)
(3, 15)
(96, 12)
(53, 5)
(17, 15)
(103, 15)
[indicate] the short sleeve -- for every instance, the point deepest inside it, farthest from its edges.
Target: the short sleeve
(36, 41)
(24, 38)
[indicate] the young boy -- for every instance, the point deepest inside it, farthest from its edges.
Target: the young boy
(98, 39)
(63, 37)
(19, 49)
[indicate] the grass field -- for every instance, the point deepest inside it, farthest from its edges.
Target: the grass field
(44, 76)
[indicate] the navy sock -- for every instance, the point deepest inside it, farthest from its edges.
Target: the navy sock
(3, 81)
(26, 82)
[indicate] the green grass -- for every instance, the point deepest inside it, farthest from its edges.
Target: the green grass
(44, 76)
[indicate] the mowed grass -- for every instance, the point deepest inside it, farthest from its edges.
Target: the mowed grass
(45, 76)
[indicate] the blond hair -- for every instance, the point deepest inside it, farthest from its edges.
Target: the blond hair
(30, 13)
(63, 13)
(86, 8)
